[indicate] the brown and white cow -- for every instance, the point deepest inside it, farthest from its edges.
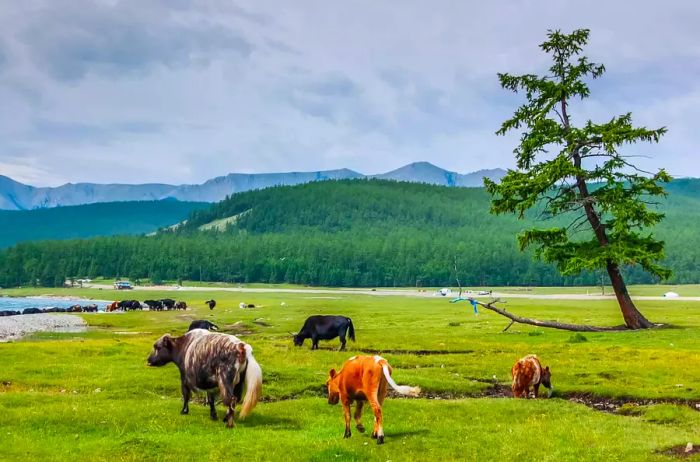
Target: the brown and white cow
(528, 372)
(212, 362)
(364, 378)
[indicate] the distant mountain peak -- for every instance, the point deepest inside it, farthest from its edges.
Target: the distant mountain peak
(18, 196)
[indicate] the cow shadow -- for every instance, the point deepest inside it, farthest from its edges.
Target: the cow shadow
(422, 431)
(270, 421)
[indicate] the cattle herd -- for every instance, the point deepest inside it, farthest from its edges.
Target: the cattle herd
(71, 309)
(222, 364)
(163, 304)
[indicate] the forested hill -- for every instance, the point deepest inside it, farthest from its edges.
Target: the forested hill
(81, 221)
(342, 233)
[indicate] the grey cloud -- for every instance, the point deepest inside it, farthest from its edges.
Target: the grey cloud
(264, 85)
(116, 41)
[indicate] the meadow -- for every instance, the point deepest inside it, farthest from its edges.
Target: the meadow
(90, 396)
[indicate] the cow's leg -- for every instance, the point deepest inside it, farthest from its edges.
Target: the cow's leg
(314, 342)
(536, 389)
(228, 396)
(342, 342)
(186, 394)
(358, 416)
(526, 392)
(211, 399)
(378, 432)
(346, 412)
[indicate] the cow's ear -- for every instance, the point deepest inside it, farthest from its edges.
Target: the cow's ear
(332, 373)
(546, 368)
(168, 341)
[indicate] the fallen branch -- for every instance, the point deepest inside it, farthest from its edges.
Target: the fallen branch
(534, 322)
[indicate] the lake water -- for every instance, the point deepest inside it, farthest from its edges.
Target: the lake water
(20, 303)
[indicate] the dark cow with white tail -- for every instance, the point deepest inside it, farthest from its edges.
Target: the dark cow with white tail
(215, 363)
(321, 327)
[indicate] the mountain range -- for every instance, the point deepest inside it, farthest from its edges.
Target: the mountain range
(18, 196)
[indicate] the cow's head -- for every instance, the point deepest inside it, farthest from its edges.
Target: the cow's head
(546, 378)
(333, 390)
(162, 352)
(298, 339)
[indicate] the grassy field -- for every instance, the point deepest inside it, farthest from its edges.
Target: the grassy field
(90, 396)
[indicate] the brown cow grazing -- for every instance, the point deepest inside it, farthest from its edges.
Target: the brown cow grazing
(212, 362)
(364, 378)
(114, 306)
(528, 372)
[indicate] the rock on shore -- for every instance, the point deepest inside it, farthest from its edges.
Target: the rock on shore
(14, 327)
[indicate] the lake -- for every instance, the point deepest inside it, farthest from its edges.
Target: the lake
(20, 303)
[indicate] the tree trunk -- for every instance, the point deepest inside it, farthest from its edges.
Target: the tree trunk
(633, 318)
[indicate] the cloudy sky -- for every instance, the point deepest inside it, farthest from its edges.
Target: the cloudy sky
(180, 91)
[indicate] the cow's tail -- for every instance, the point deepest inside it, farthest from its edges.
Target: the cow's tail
(401, 389)
(351, 330)
(253, 383)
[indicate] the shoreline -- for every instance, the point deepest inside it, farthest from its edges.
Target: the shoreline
(15, 327)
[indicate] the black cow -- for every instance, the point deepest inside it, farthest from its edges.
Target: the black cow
(202, 324)
(32, 311)
(90, 308)
(321, 327)
(168, 303)
(181, 306)
(154, 305)
(9, 313)
(130, 305)
(211, 303)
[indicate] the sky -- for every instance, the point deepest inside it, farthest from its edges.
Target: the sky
(177, 91)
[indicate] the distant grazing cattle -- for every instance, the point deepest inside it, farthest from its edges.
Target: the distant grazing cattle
(211, 303)
(90, 308)
(9, 313)
(154, 305)
(130, 305)
(168, 303)
(202, 324)
(75, 309)
(181, 306)
(364, 378)
(212, 362)
(321, 327)
(32, 311)
(114, 306)
(528, 372)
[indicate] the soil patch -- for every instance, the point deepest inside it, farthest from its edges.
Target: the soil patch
(417, 352)
(681, 451)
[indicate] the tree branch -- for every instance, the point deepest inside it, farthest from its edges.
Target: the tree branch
(551, 324)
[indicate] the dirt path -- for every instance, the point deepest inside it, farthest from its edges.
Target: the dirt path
(391, 293)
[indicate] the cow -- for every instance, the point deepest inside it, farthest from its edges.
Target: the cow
(181, 306)
(202, 324)
(154, 305)
(9, 313)
(90, 308)
(211, 303)
(364, 378)
(112, 306)
(130, 305)
(168, 303)
(32, 311)
(209, 361)
(528, 372)
(321, 327)
(75, 309)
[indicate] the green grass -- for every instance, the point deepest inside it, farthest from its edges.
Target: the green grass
(90, 396)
